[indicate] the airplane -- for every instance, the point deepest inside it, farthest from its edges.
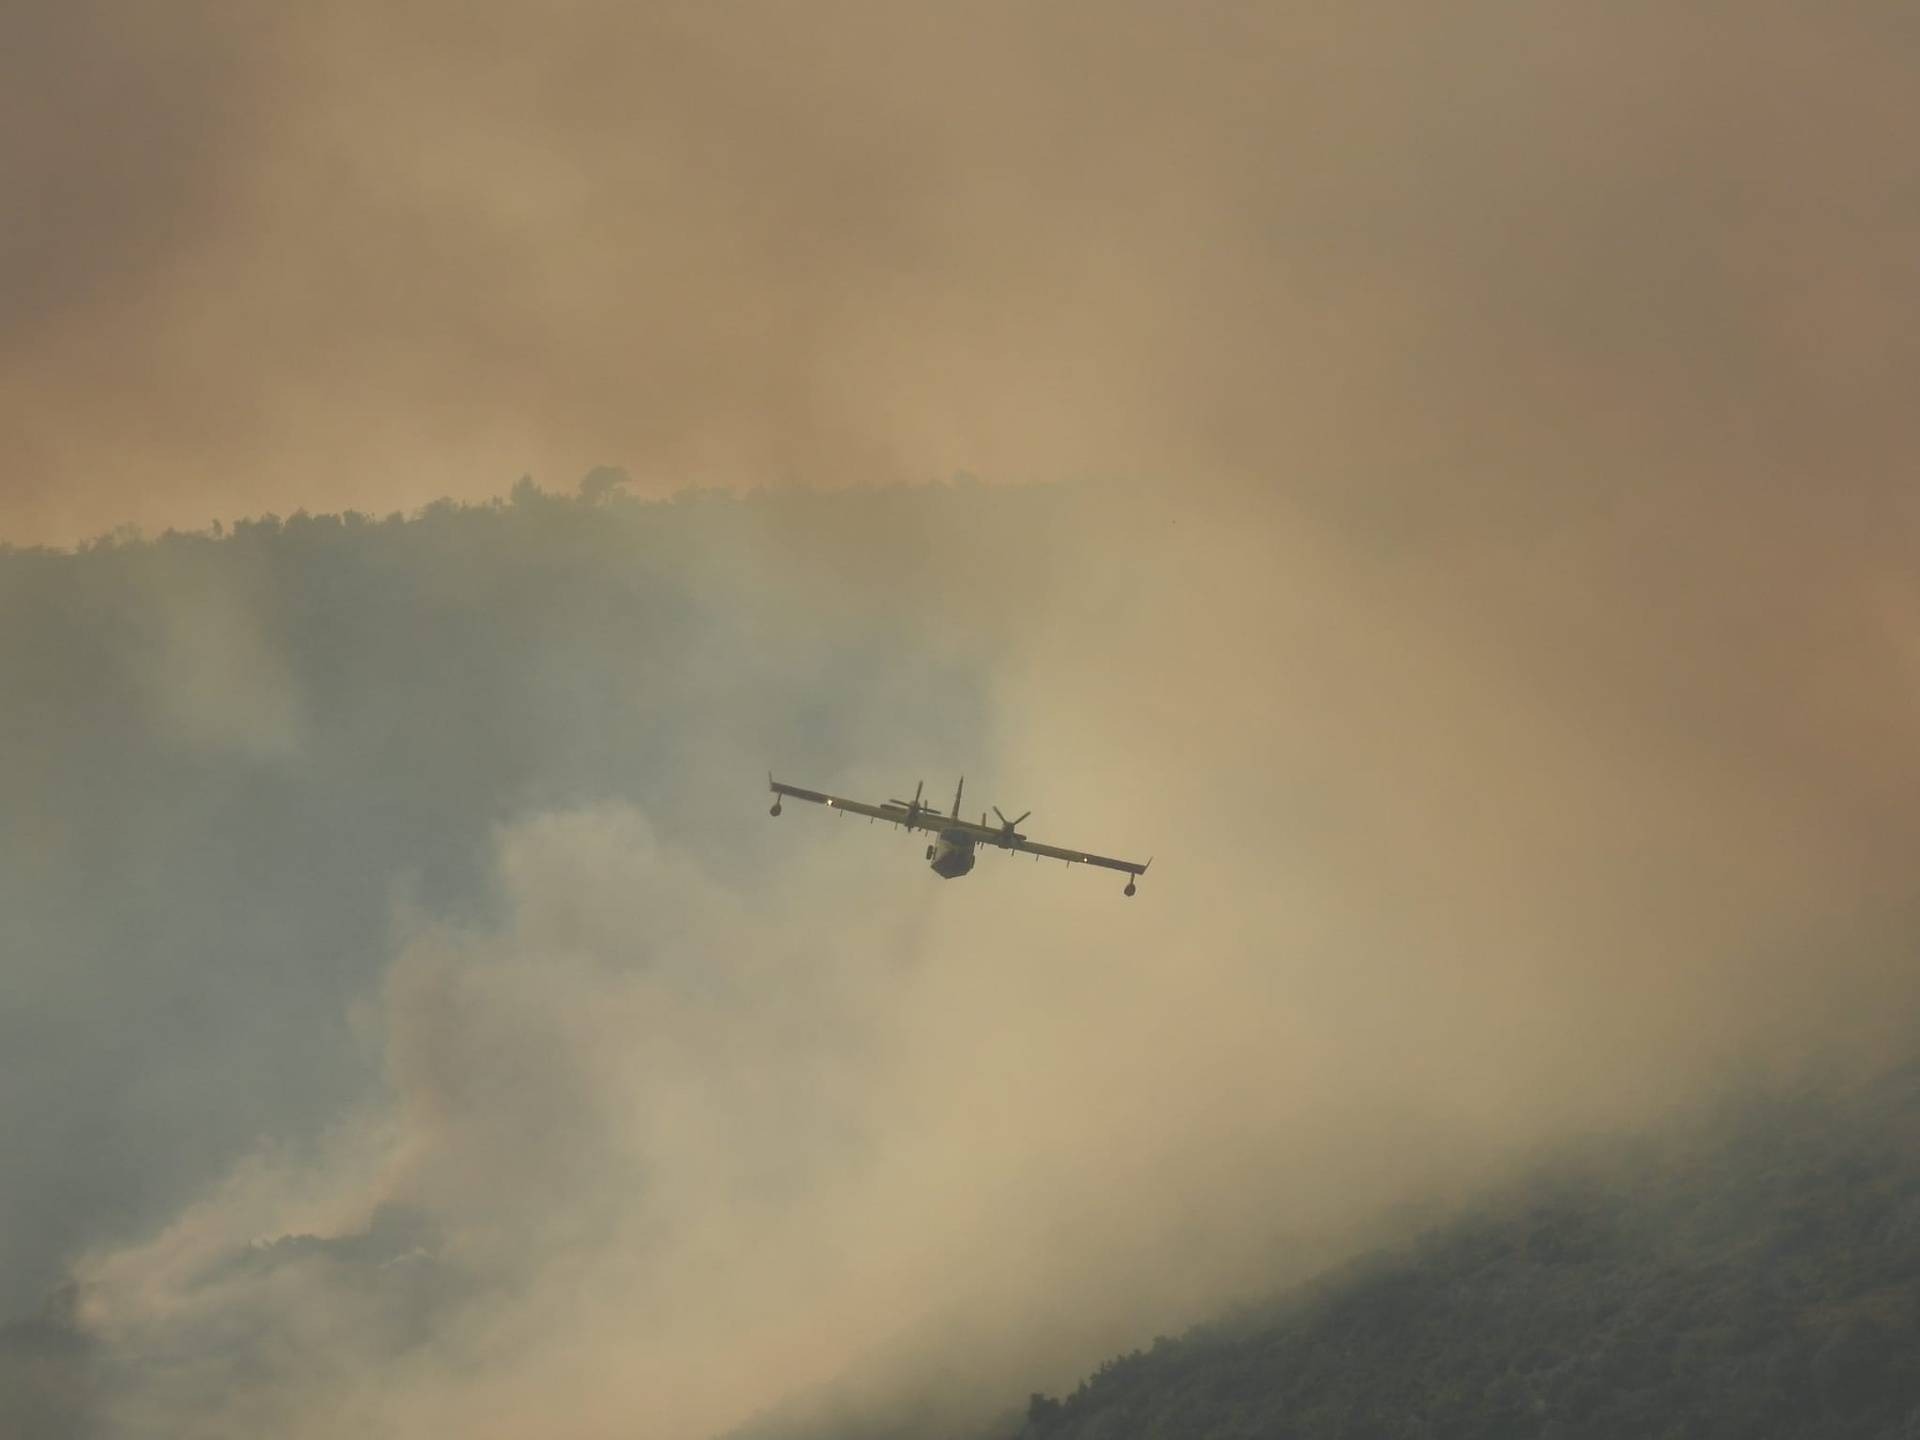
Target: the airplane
(951, 853)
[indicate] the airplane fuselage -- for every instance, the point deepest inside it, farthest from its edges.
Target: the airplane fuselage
(951, 854)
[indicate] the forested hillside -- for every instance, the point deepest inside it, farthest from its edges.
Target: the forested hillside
(1758, 1275)
(410, 1010)
(233, 762)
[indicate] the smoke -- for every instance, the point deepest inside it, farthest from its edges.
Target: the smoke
(1488, 593)
(696, 1117)
(616, 1117)
(1479, 269)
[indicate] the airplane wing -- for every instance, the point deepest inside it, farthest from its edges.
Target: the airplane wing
(920, 819)
(1072, 857)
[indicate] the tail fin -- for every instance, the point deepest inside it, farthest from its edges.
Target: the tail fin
(956, 796)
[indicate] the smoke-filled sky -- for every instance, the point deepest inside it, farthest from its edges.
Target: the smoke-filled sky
(1486, 581)
(1486, 263)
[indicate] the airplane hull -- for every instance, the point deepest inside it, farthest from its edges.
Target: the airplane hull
(951, 856)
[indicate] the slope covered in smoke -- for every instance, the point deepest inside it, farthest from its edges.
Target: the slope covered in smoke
(233, 766)
(1754, 1275)
(415, 1024)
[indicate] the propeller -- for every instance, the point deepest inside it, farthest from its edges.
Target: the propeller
(1006, 824)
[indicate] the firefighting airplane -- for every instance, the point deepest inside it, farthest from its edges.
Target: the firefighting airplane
(951, 853)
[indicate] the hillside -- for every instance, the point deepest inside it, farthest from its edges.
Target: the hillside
(223, 755)
(411, 1011)
(1755, 1276)
(233, 763)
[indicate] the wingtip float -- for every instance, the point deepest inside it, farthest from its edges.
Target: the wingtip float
(951, 854)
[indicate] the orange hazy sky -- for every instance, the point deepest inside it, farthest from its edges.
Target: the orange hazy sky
(1379, 258)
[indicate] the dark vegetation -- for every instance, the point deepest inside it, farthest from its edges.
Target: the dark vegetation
(44, 1371)
(1756, 1276)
